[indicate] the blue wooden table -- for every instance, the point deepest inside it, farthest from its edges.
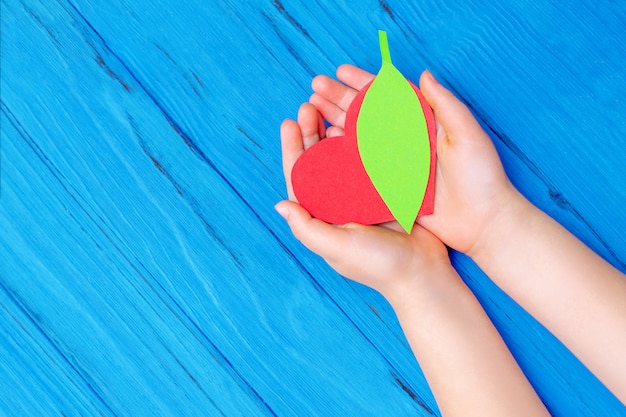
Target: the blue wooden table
(143, 270)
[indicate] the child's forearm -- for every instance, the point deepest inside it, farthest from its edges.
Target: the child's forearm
(576, 294)
(468, 367)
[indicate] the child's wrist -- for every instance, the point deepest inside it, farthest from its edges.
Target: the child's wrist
(506, 225)
(421, 287)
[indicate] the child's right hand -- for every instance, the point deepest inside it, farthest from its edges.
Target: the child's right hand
(548, 271)
(472, 190)
(567, 287)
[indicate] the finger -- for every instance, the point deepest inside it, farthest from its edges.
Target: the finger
(353, 76)
(337, 93)
(329, 111)
(395, 226)
(292, 147)
(322, 238)
(308, 119)
(321, 126)
(334, 131)
(455, 118)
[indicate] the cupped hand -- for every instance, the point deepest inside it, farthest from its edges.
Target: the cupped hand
(383, 257)
(471, 187)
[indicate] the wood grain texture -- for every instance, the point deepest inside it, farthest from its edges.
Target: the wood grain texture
(142, 268)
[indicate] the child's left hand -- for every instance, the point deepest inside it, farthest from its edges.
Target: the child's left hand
(382, 257)
(459, 350)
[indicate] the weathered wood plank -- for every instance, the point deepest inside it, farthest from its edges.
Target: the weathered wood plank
(138, 243)
(140, 164)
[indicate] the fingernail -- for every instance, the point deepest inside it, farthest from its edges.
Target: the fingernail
(282, 210)
(431, 76)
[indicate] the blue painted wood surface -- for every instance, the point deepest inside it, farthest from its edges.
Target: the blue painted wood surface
(142, 268)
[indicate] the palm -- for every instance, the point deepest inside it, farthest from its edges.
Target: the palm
(466, 193)
(385, 257)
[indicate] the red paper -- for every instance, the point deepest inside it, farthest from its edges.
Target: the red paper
(330, 182)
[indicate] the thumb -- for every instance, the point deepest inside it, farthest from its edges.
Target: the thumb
(455, 118)
(322, 238)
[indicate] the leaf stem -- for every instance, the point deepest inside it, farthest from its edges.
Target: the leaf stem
(384, 46)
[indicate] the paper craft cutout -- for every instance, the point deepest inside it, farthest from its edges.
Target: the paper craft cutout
(331, 181)
(393, 141)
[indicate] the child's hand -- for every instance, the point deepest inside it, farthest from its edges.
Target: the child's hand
(471, 188)
(382, 257)
(459, 350)
(555, 277)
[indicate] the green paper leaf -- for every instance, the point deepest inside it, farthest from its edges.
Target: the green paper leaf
(392, 138)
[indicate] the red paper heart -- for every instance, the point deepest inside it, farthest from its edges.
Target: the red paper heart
(330, 182)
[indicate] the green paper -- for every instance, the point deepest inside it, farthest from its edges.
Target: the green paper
(392, 138)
